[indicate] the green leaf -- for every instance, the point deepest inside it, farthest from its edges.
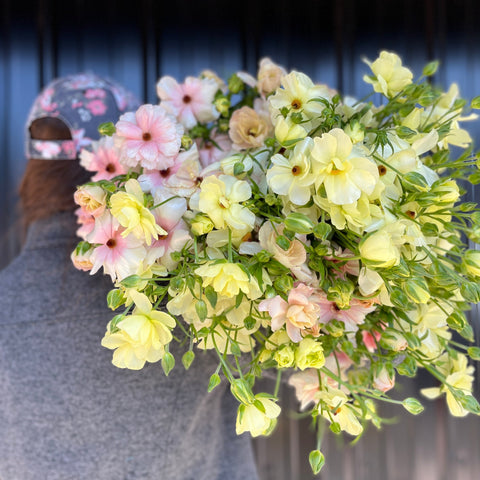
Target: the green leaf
(317, 461)
(283, 242)
(107, 128)
(187, 359)
(168, 362)
(214, 381)
(211, 295)
(415, 182)
(430, 68)
(413, 406)
(259, 405)
(407, 368)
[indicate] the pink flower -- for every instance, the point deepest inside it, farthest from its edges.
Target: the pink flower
(210, 153)
(370, 339)
(383, 381)
(307, 387)
(352, 267)
(104, 160)
(191, 102)
(351, 317)
(119, 256)
(95, 93)
(169, 217)
(76, 104)
(299, 313)
(182, 178)
(87, 222)
(96, 107)
(150, 137)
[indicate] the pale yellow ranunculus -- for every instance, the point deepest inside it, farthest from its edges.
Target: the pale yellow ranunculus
(140, 337)
(390, 76)
(220, 198)
(344, 171)
(380, 249)
(227, 279)
(129, 209)
(339, 410)
(309, 354)
(284, 356)
(252, 419)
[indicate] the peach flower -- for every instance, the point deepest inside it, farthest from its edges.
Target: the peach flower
(248, 129)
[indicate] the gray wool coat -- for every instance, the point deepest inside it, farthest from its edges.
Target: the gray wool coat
(66, 413)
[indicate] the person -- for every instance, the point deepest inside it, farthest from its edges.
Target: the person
(65, 411)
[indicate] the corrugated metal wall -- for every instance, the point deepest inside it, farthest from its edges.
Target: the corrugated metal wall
(138, 41)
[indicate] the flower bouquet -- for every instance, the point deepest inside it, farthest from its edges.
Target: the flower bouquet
(291, 229)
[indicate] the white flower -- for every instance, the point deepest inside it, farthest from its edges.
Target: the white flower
(293, 176)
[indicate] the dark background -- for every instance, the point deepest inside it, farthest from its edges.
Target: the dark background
(136, 42)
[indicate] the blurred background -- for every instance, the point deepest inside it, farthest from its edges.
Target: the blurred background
(136, 42)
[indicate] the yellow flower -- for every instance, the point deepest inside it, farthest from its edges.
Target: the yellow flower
(227, 279)
(140, 337)
(390, 76)
(220, 199)
(341, 169)
(284, 357)
(251, 419)
(459, 375)
(128, 208)
(287, 132)
(381, 249)
(471, 262)
(309, 354)
(339, 410)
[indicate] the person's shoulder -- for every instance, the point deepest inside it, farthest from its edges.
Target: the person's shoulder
(47, 289)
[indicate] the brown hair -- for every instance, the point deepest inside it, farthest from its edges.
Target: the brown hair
(47, 186)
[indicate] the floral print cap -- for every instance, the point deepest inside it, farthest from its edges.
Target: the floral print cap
(82, 101)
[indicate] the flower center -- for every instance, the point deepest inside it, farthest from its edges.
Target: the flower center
(163, 237)
(411, 213)
(382, 170)
(164, 173)
(335, 171)
(111, 243)
(223, 202)
(146, 136)
(187, 99)
(296, 104)
(110, 168)
(296, 170)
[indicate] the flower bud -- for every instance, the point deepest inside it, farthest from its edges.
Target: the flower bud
(187, 142)
(394, 340)
(235, 84)
(413, 406)
(201, 225)
(383, 381)
(91, 198)
(355, 131)
(222, 104)
(299, 223)
(289, 133)
(417, 290)
(471, 262)
(81, 257)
